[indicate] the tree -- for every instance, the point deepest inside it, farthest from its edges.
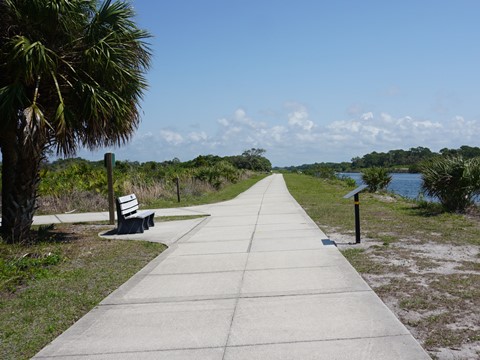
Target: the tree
(252, 159)
(71, 74)
(256, 161)
(453, 180)
(376, 178)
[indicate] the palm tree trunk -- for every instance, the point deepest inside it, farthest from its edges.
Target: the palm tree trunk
(20, 178)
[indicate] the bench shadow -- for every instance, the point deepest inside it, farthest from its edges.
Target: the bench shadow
(110, 232)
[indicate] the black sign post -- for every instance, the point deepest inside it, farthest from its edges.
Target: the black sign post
(356, 202)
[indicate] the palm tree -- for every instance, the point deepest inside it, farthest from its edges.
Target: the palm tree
(376, 178)
(455, 181)
(71, 75)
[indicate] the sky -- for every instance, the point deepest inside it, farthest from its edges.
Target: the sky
(306, 80)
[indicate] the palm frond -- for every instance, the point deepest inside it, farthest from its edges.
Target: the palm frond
(453, 180)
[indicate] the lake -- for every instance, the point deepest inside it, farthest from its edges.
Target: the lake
(407, 185)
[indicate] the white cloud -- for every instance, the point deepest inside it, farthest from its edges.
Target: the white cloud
(297, 136)
(300, 117)
(223, 122)
(367, 116)
(171, 137)
(200, 136)
(278, 133)
(294, 138)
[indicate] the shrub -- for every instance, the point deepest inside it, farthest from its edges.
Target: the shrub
(349, 181)
(321, 171)
(453, 180)
(376, 178)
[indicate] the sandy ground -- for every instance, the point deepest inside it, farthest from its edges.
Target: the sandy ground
(431, 287)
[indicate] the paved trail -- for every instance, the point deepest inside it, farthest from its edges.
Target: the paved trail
(255, 280)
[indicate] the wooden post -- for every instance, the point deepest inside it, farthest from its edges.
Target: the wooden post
(109, 160)
(178, 188)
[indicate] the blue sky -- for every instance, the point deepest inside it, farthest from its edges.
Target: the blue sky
(309, 81)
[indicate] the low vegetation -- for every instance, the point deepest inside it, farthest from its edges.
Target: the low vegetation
(46, 286)
(423, 262)
(49, 283)
(453, 180)
(376, 178)
(78, 185)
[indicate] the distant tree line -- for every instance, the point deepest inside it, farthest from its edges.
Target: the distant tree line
(410, 159)
(252, 159)
(394, 160)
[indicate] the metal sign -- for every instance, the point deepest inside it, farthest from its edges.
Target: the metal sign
(356, 203)
(356, 191)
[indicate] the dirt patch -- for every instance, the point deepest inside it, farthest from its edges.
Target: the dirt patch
(432, 287)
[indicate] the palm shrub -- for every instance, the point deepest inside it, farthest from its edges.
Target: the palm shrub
(376, 178)
(453, 180)
(72, 74)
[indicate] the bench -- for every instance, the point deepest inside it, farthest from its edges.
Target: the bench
(129, 219)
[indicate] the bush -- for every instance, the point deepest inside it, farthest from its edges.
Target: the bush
(322, 172)
(349, 181)
(453, 180)
(376, 178)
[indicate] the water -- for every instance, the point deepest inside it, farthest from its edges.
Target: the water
(407, 185)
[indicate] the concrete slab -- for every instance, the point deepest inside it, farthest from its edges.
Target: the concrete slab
(287, 244)
(268, 320)
(163, 232)
(282, 219)
(44, 220)
(217, 233)
(227, 221)
(282, 227)
(217, 247)
(185, 354)
(201, 263)
(278, 209)
(178, 212)
(217, 294)
(146, 327)
(327, 256)
(312, 280)
(222, 211)
(285, 234)
(181, 287)
(83, 217)
(401, 347)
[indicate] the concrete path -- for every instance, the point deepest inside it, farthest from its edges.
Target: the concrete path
(255, 280)
(104, 215)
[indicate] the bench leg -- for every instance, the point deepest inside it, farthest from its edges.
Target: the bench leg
(146, 223)
(131, 226)
(151, 220)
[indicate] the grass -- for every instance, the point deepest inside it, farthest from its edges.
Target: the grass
(46, 287)
(363, 263)
(152, 196)
(422, 262)
(225, 193)
(382, 217)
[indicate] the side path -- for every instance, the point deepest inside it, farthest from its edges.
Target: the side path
(253, 281)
